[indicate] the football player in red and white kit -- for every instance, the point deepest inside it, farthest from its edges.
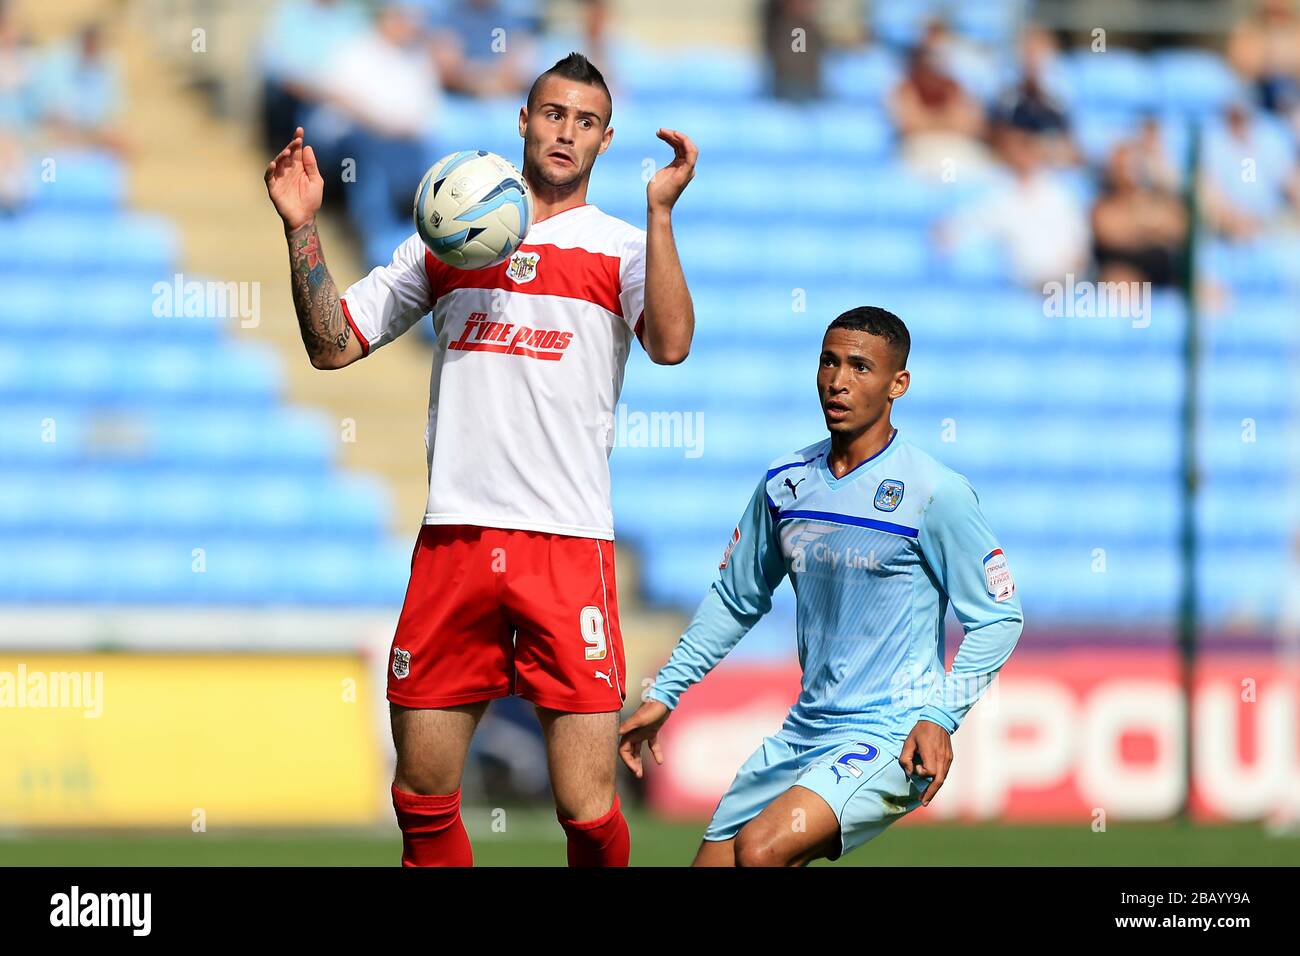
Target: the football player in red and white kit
(512, 581)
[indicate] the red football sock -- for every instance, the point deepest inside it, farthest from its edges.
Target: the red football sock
(432, 832)
(601, 842)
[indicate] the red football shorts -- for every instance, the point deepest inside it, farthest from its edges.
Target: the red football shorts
(491, 612)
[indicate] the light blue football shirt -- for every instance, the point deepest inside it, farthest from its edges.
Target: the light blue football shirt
(874, 558)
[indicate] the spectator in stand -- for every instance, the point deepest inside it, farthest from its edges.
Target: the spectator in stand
(1265, 49)
(302, 39)
(1040, 57)
(384, 80)
(971, 64)
(1034, 104)
(1138, 230)
(940, 124)
(794, 59)
(17, 110)
(382, 98)
(1155, 170)
(1030, 108)
(595, 29)
(1248, 175)
(80, 92)
(1038, 223)
(65, 95)
(485, 48)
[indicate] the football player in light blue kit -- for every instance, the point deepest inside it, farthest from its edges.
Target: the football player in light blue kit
(877, 538)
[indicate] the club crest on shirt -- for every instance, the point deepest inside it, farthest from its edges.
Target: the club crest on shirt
(726, 555)
(401, 662)
(889, 495)
(523, 267)
(997, 576)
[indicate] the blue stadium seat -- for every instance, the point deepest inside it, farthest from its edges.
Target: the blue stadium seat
(902, 24)
(996, 23)
(74, 246)
(228, 374)
(1241, 513)
(866, 75)
(1245, 585)
(98, 502)
(213, 572)
(77, 181)
(1256, 385)
(107, 310)
(1117, 78)
(711, 73)
(1233, 449)
(59, 435)
(1195, 82)
(1250, 325)
(1266, 265)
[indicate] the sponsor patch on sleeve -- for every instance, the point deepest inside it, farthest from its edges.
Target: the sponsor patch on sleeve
(726, 555)
(997, 576)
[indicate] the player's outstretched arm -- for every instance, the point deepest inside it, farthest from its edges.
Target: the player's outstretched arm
(296, 188)
(642, 728)
(669, 312)
(750, 571)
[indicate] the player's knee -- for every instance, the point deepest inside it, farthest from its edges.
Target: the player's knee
(589, 806)
(756, 847)
(421, 785)
(426, 778)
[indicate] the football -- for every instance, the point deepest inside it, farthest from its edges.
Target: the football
(473, 209)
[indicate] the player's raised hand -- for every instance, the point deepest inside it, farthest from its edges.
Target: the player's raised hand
(666, 184)
(927, 753)
(642, 727)
(294, 183)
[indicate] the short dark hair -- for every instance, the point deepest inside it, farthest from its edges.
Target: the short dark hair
(575, 67)
(877, 321)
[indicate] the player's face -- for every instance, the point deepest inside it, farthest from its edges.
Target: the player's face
(857, 380)
(564, 132)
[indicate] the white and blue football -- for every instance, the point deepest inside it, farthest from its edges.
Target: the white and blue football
(473, 209)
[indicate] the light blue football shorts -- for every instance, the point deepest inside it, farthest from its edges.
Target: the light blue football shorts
(859, 779)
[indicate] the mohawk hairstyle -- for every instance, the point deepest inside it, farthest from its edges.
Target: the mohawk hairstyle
(578, 68)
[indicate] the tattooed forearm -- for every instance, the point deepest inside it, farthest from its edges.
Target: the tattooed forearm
(325, 332)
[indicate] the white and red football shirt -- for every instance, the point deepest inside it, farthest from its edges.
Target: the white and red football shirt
(527, 369)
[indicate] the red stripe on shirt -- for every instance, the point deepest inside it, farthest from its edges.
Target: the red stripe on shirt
(433, 267)
(571, 273)
(365, 346)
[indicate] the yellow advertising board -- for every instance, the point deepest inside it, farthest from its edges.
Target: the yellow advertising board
(186, 740)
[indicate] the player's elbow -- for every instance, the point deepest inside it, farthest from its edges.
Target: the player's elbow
(326, 363)
(671, 354)
(671, 358)
(333, 359)
(1013, 625)
(667, 333)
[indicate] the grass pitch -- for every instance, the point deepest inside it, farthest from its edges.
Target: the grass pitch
(533, 838)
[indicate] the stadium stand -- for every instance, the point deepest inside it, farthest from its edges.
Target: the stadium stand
(141, 454)
(147, 456)
(1068, 424)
